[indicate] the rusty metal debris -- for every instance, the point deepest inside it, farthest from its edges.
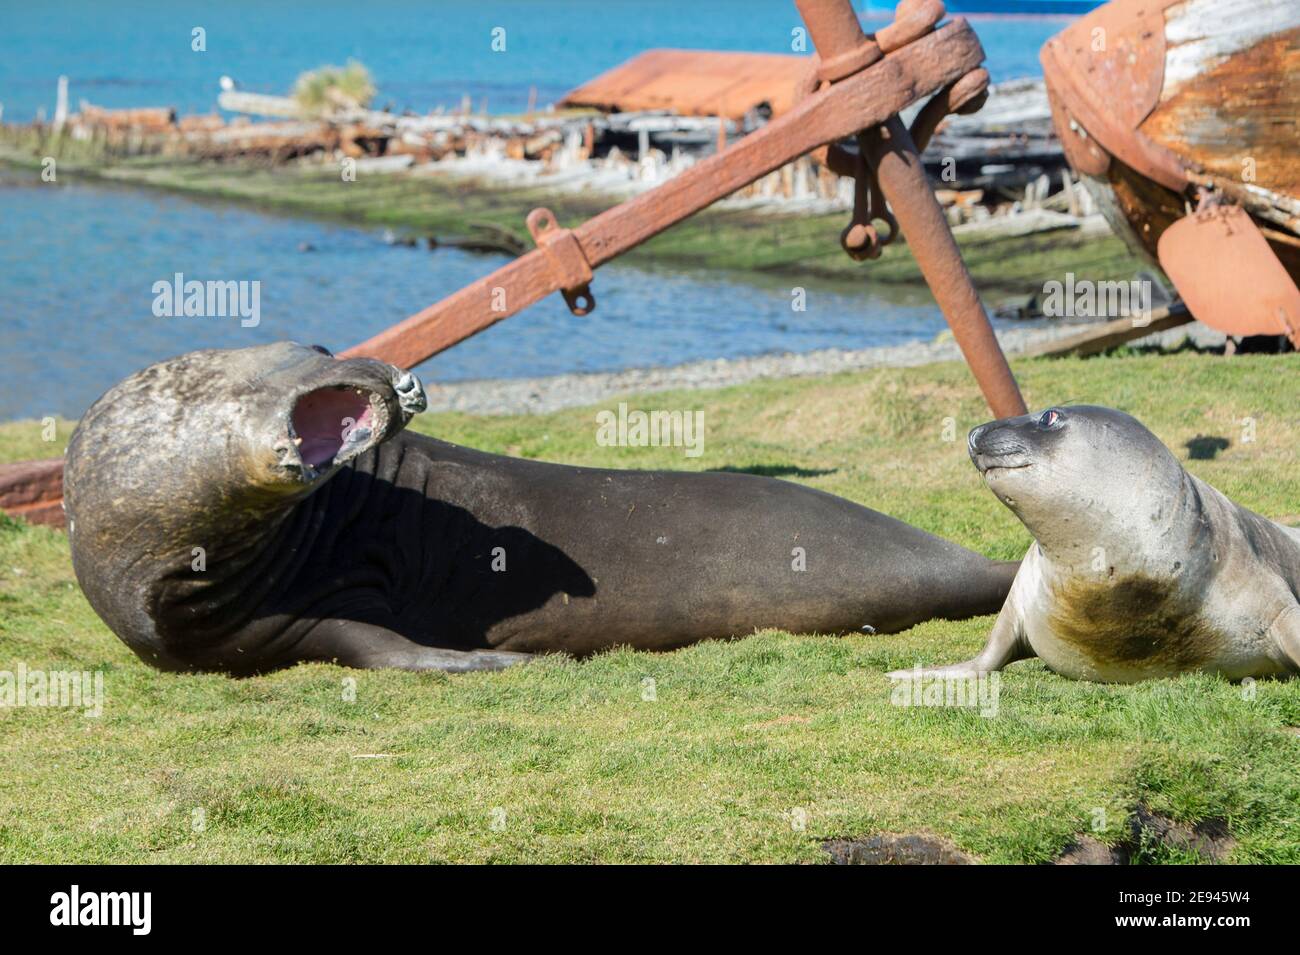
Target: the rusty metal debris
(138, 120)
(893, 155)
(570, 269)
(853, 89)
(696, 83)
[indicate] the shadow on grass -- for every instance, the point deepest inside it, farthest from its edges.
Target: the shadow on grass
(1205, 447)
(776, 470)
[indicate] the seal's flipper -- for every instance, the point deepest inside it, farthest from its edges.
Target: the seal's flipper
(367, 646)
(1006, 644)
(1285, 632)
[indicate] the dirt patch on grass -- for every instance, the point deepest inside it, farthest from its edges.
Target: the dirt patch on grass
(784, 721)
(889, 848)
(1148, 830)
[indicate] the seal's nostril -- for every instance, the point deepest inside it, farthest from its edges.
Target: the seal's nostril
(406, 383)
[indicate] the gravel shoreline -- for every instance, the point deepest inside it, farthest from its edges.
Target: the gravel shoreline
(505, 396)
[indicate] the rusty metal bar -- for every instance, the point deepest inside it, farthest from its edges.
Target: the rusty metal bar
(833, 26)
(892, 153)
(861, 100)
(842, 49)
(33, 490)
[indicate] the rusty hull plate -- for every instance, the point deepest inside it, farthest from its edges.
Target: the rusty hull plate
(1228, 276)
(1107, 70)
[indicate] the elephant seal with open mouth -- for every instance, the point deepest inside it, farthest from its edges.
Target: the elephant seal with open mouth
(245, 510)
(1139, 570)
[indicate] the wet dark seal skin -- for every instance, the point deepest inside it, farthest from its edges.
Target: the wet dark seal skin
(1138, 570)
(245, 510)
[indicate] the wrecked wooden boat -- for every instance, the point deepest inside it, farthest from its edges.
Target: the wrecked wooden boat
(1183, 119)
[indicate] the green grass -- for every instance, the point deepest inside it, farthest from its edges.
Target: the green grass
(745, 737)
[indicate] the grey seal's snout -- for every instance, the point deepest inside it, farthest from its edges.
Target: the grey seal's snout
(973, 441)
(993, 442)
(1008, 443)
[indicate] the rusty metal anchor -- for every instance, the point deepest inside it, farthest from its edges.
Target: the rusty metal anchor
(887, 169)
(857, 86)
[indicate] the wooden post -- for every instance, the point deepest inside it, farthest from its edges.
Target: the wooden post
(61, 104)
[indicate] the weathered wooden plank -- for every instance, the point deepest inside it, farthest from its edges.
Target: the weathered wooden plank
(1098, 338)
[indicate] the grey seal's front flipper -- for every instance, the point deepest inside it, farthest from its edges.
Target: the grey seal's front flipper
(1007, 641)
(1006, 644)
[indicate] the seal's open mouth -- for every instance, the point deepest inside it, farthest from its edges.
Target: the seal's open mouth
(332, 424)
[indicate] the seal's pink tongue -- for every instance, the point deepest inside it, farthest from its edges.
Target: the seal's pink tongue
(324, 418)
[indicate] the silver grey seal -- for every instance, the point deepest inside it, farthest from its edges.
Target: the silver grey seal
(1138, 570)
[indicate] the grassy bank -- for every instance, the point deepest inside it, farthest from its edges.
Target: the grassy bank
(733, 240)
(754, 750)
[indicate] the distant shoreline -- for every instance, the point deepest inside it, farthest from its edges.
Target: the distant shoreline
(796, 243)
(542, 395)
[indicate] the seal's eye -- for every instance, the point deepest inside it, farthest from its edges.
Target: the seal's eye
(323, 350)
(1049, 417)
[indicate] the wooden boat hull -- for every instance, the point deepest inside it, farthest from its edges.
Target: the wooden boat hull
(1165, 105)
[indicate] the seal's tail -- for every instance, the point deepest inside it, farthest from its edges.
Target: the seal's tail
(979, 590)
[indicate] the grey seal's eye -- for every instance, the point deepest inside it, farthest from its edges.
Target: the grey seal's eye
(323, 350)
(1049, 417)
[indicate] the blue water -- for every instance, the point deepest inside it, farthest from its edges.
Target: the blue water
(78, 262)
(422, 53)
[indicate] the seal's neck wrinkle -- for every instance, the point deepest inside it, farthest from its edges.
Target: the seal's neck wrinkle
(200, 597)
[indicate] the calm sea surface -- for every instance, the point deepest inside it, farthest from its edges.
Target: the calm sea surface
(78, 261)
(423, 53)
